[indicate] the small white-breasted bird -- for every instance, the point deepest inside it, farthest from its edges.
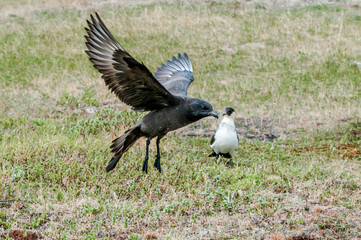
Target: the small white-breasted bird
(225, 140)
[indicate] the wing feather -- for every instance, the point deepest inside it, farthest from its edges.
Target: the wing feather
(176, 75)
(130, 80)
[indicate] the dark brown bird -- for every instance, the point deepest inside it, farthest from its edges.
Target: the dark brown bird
(164, 95)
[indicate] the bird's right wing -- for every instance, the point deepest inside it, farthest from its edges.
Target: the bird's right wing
(176, 75)
(213, 139)
(130, 80)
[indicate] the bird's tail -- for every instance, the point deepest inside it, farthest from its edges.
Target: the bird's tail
(122, 144)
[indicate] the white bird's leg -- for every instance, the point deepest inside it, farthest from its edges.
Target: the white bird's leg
(145, 163)
(230, 163)
(228, 155)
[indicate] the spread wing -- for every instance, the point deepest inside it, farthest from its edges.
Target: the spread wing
(130, 80)
(176, 75)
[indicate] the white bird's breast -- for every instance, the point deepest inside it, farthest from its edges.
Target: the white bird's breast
(226, 140)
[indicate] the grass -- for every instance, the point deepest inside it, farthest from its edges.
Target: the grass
(286, 72)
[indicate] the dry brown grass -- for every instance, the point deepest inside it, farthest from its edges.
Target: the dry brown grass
(212, 39)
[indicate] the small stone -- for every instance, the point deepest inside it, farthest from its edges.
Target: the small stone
(90, 110)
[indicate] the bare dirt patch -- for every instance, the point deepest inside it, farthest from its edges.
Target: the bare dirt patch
(269, 130)
(251, 128)
(21, 235)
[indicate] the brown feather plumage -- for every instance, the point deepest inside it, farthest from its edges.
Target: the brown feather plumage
(130, 80)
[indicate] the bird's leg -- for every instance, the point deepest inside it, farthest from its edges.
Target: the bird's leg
(157, 159)
(230, 163)
(145, 163)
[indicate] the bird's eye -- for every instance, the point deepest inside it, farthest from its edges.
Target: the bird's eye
(204, 107)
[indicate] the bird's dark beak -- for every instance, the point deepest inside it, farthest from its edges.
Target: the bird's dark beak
(213, 114)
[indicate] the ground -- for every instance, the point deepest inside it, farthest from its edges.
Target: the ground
(286, 67)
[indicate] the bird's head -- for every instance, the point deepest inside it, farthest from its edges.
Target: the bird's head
(228, 111)
(199, 108)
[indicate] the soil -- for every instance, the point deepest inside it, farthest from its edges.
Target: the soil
(20, 235)
(250, 128)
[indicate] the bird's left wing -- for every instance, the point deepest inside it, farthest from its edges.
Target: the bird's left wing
(176, 75)
(130, 80)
